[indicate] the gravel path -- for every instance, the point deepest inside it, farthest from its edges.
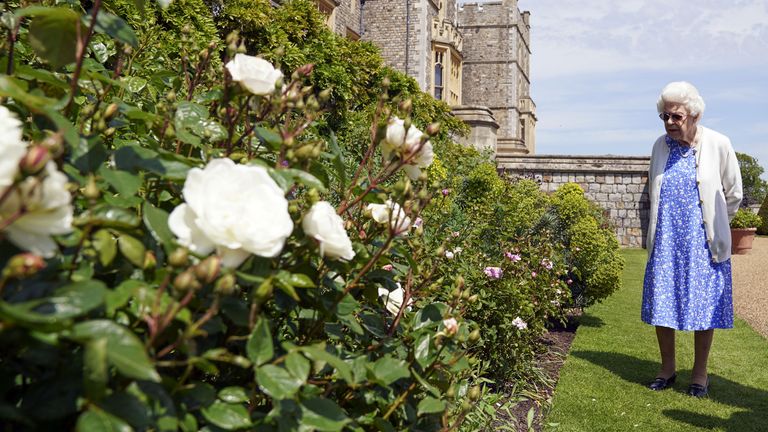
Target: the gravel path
(750, 286)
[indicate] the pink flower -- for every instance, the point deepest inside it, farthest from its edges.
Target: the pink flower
(512, 257)
(455, 233)
(387, 267)
(449, 254)
(417, 223)
(493, 272)
(569, 281)
(446, 192)
(547, 264)
(533, 274)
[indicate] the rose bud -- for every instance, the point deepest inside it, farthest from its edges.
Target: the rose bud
(433, 129)
(474, 336)
(35, 160)
(23, 265)
(111, 110)
(306, 69)
(208, 269)
(185, 281)
(179, 257)
(226, 284)
(324, 95)
(150, 261)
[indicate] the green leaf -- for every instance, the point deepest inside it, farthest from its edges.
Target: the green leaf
(431, 315)
(227, 416)
(119, 296)
(272, 139)
(292, 176)
(430, 405)
(133, 84)
(134, 158)
(259, 347)
(125, 351)
(53, 35)
(96, 420)
(323, 415)
(123, 182)
(67, 302)
(106, 245)
(114, 26)
(277, 382)
(11, 87)
(316, 353)
(387, 370)
(95, 373)
(423, 350)
(298, 366)
(107, 216)
(157, 221)
(233, 395)
(132, 249)
(338, 161)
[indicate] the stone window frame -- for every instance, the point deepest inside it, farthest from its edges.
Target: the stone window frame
(328, 8)
(451, 62)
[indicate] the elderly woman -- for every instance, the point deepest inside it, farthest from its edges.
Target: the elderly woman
(695, 189)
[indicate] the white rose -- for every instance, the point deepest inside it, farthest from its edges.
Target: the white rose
(47, 211)
(257, 75)
(390, 213)
(323, 224)
(451, 326)
(393, 300)
(408, 145)
(236, 209)
(12, 148)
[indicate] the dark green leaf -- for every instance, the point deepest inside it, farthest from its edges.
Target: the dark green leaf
(11, 87)
(259, 347)
(133, 84)
(67, 302)
(123, 182)
(423, 350)
(430, 405)
(95, 374)
(233, 395)
(132, 249)
(124, 349)
(319, 354)
(323, 415)
(114, 26)
(157, 221)
(135, 158)
(430, 315)
(227, 416)
(119, 296)
(387, 370)
(53, 35)
(292, 176)
(108, 216)
(96, 420)
(272, 139)
(297, 365)
(277, 382)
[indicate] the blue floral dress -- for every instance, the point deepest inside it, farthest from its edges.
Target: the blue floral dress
(683, 288)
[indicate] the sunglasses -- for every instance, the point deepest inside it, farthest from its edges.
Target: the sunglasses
(677, 118)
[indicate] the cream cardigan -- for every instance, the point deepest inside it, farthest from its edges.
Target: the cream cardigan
(719, 181)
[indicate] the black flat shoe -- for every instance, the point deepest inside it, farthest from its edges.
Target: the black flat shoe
(698, 390)
(662, 383)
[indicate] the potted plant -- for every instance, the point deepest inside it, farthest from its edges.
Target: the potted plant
(743, 227)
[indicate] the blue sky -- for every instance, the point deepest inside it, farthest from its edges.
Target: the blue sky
(598, 67)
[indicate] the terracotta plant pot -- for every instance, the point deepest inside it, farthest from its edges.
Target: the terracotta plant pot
(741, 240)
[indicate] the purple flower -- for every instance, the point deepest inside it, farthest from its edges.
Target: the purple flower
(569, 281)
(547, 264)
(417, 223)
(446, 192)
(493, 272)
(533, 274)
(512, 257)
(285, 164)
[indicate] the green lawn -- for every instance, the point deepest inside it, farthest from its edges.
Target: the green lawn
(602, 384)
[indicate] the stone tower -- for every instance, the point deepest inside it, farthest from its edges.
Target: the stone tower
(496, 70)
(474, 56)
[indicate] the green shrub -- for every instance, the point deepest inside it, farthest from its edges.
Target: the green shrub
(745, 218)
(592, 250)
(763, 213)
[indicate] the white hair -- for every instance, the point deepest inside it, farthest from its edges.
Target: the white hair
(684, 93)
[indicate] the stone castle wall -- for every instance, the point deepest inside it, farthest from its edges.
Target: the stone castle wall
(384, 24)
(618, 184)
